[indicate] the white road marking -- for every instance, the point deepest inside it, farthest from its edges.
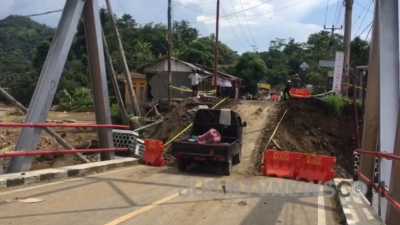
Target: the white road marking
(65, 181)
(321, 216)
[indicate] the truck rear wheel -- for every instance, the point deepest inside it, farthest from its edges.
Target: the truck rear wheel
(182, 165)
(236, 158)
(227, 168)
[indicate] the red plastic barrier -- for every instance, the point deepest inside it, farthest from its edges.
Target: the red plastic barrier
(300, 93)
(316, 168)
(153, 152)
(63, 151)
(62, 125)
(279, 164)
(298, 166)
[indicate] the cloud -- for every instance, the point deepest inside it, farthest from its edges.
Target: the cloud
(243, 23)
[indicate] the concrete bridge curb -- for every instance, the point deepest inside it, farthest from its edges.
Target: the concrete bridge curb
(19, 179)
(356, 210)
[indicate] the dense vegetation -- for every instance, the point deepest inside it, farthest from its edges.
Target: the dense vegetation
(24, 45)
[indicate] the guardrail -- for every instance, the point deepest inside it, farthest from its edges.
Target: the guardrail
(62, 151)
(74, 125)
(378, 187)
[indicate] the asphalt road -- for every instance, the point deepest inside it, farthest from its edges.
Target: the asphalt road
(147, 196)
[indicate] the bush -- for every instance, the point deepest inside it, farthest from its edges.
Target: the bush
(337, 103)
(80, 100)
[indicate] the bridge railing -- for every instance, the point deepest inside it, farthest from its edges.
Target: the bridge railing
(124, 140)
(381, 189)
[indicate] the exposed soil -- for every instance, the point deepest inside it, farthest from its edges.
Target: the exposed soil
(310, 127)
(78, 138)
(177, 120)
(259, 117)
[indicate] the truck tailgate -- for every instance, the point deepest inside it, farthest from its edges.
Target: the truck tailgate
(201, 150)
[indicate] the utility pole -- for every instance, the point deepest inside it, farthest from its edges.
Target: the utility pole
(347, 40)
(216, 50)
(122, 56)
(331, 43)
(114, 82)
(169, 52)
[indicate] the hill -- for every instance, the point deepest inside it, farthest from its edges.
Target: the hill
(18, 38)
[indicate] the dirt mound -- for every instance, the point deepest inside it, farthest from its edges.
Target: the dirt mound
(310, 127)
(179, 118)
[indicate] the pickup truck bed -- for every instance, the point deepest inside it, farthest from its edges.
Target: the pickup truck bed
(223, 152)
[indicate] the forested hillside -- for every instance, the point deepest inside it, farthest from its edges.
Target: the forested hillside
(24, 45)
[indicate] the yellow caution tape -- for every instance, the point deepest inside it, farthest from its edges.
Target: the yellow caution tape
(322, 94)
(353, 86)
(190, 90)
(190, 125)
(272, 136)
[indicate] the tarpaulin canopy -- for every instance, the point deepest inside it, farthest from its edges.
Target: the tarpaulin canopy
(222, 82)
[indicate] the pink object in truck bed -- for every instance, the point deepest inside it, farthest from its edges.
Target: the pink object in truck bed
(212, 136)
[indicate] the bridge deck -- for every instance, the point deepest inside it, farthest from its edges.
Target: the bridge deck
(147, 195)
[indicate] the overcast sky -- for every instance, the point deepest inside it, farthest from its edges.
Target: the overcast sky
(248, 22)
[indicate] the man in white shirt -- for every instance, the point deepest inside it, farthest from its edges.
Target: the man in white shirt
(195, 78)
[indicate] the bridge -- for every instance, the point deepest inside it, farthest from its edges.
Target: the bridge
(130, 193)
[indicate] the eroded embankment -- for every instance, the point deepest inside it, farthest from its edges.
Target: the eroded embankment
(310, 126)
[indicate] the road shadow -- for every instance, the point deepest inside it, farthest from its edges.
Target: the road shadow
(196, 169)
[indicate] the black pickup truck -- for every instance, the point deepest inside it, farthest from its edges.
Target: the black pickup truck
(226, 152)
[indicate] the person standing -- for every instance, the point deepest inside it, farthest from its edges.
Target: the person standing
(286, 91)
(195, 78)
(296, 81)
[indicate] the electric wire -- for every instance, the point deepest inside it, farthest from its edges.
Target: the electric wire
(245, 17)
(233, 30)
(326, 12)
(366, 13)
(359, 16)
(240, 25)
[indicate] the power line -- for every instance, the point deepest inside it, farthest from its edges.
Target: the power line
(244, 14)
(45, 13)
(340, 13)
(123, 9)
(240, 25)
(336, 12)
(233, 30)
(255, 15)
(370, 28)
(366, 13)
(369, 25)
(326, 12)
(363, 6)
(359, 16)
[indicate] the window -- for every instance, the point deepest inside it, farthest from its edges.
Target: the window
(142, 94)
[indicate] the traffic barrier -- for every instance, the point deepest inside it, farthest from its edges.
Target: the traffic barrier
(300, 93)
(279, 164)
(299, 166)
(153, 153)
(316, 168)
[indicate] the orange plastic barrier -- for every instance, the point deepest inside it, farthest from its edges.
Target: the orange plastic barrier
(279, 164)
(316, 168)
(300, 93)
(153, 152)
(298, 166)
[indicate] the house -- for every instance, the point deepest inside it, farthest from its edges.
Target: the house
(227, 85)
(151, 81)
